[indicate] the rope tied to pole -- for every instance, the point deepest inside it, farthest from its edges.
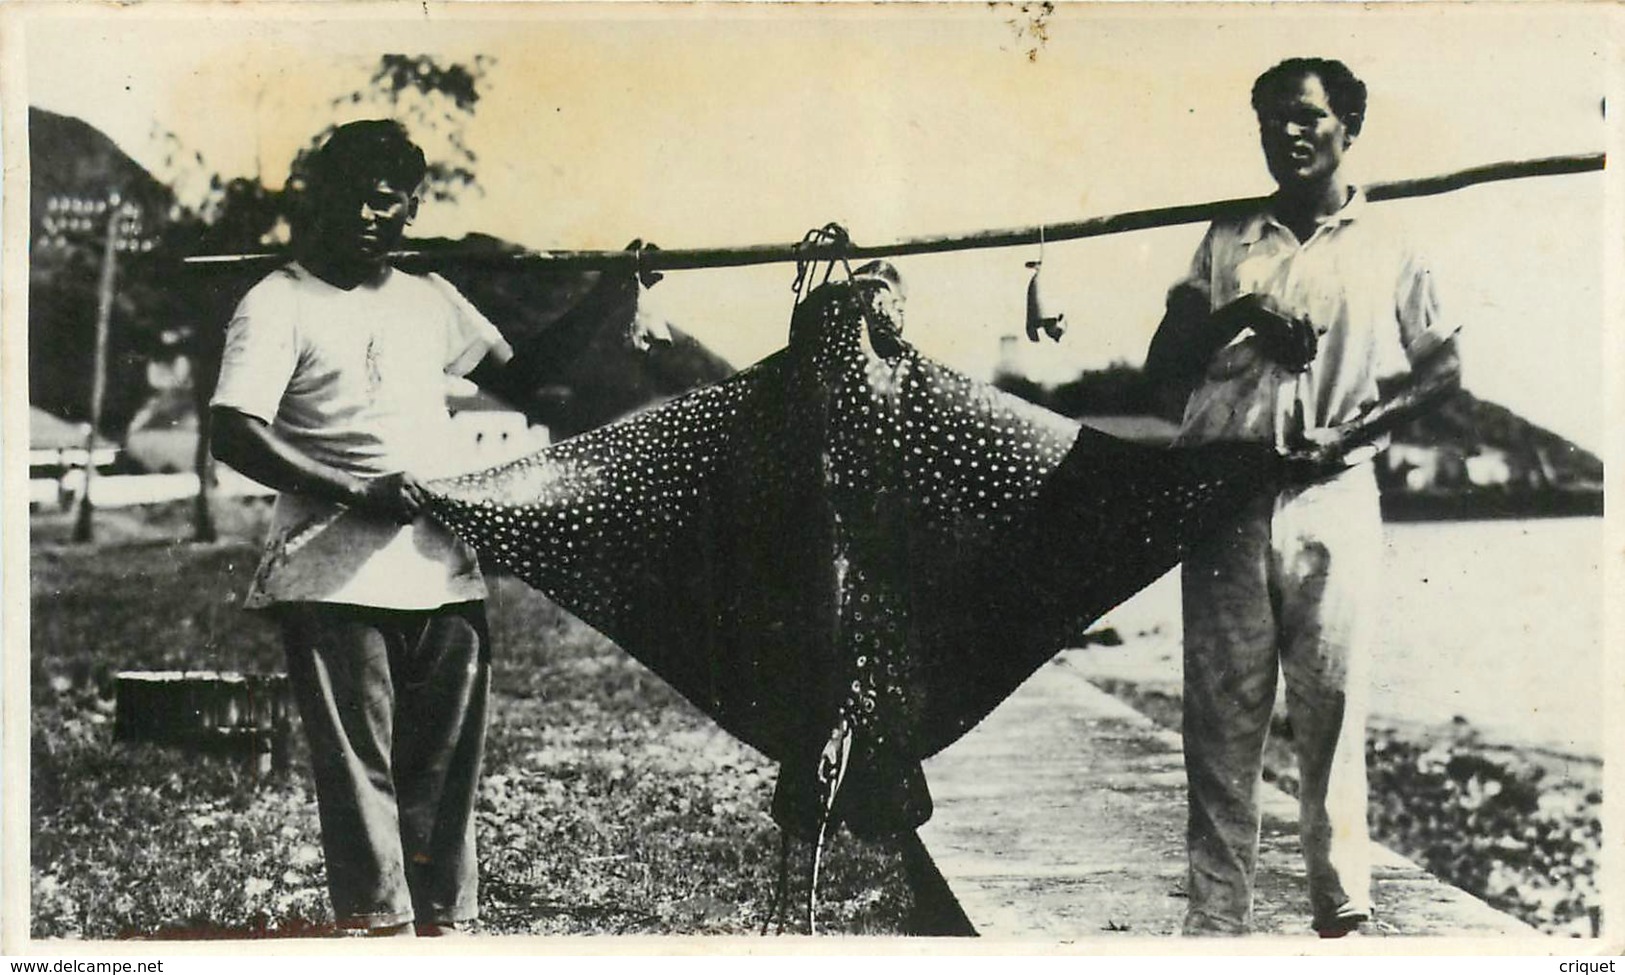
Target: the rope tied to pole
(742, 256)
(831, 239)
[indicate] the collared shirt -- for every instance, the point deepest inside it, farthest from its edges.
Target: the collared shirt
(1357, 280)
(356, 379)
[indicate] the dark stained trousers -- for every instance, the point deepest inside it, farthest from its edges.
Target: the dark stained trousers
(1286, 590)
(394, 705)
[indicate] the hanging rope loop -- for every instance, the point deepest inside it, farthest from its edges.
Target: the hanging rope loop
(828, 244)
(1169, 216)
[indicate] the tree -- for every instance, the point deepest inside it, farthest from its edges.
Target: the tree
(241, 214)
(435, 102)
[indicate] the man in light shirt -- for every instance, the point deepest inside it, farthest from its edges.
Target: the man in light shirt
(332, 391)
(1310, 324)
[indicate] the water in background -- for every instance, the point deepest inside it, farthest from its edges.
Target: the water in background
(1499, 622)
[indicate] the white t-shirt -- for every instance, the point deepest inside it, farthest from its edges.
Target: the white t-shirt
(356, 380)
(1369, 296)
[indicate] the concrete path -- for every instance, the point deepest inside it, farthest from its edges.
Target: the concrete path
(1062, 817)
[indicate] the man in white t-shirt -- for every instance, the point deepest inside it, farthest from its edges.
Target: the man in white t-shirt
(332, 390)
(1309, 324)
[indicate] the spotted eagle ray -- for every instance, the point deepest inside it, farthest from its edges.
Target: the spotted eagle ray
(847, 554)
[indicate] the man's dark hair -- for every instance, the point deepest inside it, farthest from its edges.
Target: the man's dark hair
(370, 149)
(1344, 91)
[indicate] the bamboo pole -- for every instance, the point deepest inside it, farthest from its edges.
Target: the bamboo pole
(716, 257)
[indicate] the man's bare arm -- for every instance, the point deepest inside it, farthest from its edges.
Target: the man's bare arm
(1186, 339)
(1430, 381)
(1190, 335)
(250, 446)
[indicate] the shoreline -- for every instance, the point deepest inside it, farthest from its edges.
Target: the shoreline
(1498, 622)
(1514, 825)
(1407, 507)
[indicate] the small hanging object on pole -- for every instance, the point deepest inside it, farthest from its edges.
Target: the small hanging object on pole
(650, 327)
(1040, 315)
(800, 252)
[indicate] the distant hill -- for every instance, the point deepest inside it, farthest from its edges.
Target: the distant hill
(1474, 458)
(163, 308)
(1469, 424)
(70, 160)
(1467, 456)
(1468, 446)
(71, 157)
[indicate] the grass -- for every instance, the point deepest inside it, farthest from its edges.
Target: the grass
(609, 804)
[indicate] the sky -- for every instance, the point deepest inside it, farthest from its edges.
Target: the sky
(701, 125)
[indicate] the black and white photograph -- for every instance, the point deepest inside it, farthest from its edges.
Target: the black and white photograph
(1091, 479)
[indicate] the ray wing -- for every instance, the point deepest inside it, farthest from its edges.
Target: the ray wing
(840, 534)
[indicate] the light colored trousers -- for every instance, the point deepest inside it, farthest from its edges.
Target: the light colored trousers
(1286, 587)
(394, 705)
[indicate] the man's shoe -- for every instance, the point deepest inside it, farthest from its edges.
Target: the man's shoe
(1341, 926)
